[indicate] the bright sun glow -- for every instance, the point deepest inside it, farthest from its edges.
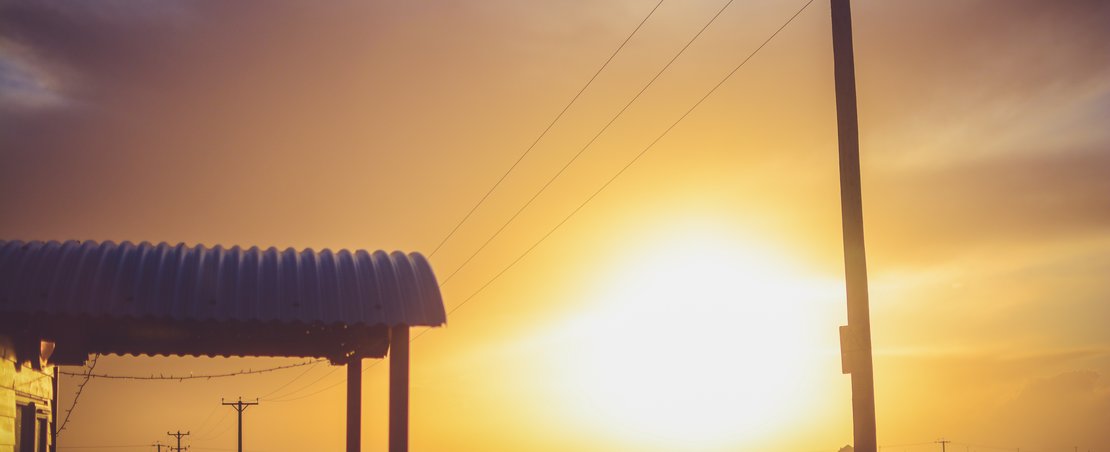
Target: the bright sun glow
(699, 343)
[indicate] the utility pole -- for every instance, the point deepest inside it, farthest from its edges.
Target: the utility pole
(855, 338)
(177, 435)
(158, 445)
(943, 443)
(240, 406)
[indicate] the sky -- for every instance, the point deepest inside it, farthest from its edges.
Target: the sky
(693, 304)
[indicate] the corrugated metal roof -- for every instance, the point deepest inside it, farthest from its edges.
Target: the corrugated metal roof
(183, 283)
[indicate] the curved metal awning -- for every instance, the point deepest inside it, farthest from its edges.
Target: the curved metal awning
(103, 297)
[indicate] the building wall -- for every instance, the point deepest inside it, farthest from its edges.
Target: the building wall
(20, 386)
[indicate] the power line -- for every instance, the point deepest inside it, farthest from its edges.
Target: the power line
(77, 396)
(219, 433)
(192, 376)
(592, 196)
(325, 388)
(545, 130)
(204, 423)
(576, 210)
(302, 388)
(982, 446)
(927, 443)
(298, 377)
(589, 143)
(565, 166)
(631, 162)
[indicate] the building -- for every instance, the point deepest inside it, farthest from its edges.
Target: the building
(27, 398)
(61, 302)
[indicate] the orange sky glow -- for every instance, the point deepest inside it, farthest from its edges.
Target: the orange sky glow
(692, 305)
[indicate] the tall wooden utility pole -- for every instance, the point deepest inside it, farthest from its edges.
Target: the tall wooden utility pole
(855, 338)
(177, 435)
(240, 406)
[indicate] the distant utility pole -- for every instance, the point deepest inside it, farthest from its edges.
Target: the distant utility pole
(240, 406)
(855, 338)
(943, 443)
(177, 435)
(158, 444)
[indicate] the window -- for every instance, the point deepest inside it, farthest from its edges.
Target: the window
(41, 440)
(19, 409)
(30, 429)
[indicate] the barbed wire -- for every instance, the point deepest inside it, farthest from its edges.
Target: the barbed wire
(77, 396)
(191, 376)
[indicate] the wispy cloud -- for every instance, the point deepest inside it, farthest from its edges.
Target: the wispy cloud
(24, 84)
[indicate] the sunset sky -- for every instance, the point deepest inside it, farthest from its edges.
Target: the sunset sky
(693, 304)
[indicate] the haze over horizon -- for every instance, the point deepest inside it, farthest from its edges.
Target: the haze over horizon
(693, 304)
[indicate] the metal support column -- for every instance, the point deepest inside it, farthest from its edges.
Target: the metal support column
(399, 389)
(354, 405)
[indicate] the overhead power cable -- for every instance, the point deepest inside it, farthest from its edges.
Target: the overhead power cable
(588, 144)
(213, 432)
(981, 446)
(568, 217)
(927, 443)
(632, 161)
(282, 397)
(204, 425)
(298, 377)
(325, 388)
(544, 132)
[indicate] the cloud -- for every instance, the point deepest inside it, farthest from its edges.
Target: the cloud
(1002, 396)
(76, 48)
(947, 82)
(1069, 408)
(1022, 200)
(24, 84)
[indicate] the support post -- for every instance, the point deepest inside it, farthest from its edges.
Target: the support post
(354, 405)
(399, 389)
(54, 413)
(177, 435)
(240, 406)
(851, 203)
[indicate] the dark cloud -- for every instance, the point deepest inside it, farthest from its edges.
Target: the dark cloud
(92, 48)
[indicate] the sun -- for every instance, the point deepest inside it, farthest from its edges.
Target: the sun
(697, 343)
